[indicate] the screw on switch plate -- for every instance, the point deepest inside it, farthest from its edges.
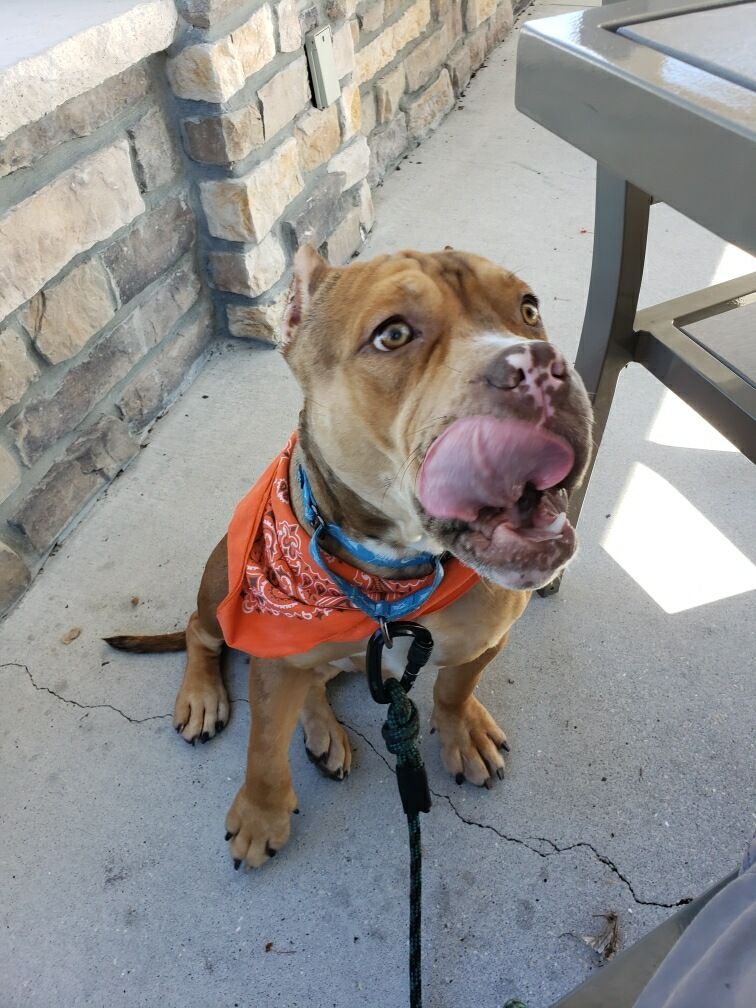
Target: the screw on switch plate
(325, 83)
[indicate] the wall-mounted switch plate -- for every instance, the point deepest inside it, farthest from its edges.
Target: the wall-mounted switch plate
(325, 83)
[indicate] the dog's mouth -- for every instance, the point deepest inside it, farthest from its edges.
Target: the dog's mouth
(495, 491)
(536, 516)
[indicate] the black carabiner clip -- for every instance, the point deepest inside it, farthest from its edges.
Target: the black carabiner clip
(373, 667)
(419, 653)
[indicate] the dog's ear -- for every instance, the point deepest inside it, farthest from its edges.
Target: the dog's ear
(309, 270)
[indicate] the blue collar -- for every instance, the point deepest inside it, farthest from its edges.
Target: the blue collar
(382, 612)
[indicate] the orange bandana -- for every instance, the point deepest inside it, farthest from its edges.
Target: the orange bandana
(280, 602)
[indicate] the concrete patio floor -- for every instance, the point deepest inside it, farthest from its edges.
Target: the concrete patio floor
(630, 784)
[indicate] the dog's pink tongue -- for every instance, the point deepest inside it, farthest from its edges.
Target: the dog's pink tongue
(484, 461)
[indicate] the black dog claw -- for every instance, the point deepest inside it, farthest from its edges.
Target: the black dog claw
(460, 778)
(237, 863)
(228, 835)
(500, 773)
(205, 737)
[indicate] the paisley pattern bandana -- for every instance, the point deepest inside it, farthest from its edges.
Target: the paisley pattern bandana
(280, 602)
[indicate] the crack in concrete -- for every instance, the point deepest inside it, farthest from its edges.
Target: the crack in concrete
(81, 706)
(555, 848)
(97, 706)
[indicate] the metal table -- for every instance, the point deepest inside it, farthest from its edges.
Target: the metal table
(663, 96)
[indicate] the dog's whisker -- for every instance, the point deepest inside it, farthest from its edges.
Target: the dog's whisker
(402, 471)
(431, 423)
(412, 458)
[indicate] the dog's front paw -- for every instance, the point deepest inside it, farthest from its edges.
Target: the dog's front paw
(471, 742)
(258, 830)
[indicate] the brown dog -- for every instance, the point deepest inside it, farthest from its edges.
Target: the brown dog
(436, 417)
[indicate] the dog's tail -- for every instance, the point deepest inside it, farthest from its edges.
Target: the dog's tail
(157, 644)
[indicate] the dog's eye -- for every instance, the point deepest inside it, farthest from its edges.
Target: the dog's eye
(529, 309)
(392, 335)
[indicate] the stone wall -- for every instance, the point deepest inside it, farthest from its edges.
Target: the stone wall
(273, 171)
(145, 215)
(102, 311)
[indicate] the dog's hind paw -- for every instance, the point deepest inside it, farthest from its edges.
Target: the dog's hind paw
(325, 739)
(329, 762)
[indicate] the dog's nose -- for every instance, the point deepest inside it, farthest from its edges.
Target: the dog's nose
(530, 367)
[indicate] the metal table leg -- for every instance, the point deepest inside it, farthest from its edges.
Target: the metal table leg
(607, 342)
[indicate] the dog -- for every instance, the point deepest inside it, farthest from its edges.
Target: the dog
(440, 437)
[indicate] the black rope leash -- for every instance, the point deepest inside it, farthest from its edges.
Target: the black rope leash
(400, 732)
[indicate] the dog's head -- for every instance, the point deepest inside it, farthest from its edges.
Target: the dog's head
(433, 397)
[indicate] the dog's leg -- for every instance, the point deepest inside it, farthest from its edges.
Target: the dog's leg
(202, 707)
(471, 741)
(258, 820)
(326, 741)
